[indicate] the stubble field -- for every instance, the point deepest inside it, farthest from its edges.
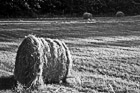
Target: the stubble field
(105, 51)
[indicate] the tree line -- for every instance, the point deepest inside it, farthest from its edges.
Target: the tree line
(34, 8)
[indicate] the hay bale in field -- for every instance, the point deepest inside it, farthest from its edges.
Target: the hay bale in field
(87, 15)
(29, 61)
(120, 14)
(40, 61)
(59, 62)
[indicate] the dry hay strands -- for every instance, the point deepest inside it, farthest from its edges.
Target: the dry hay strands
(87, 15)
(40, 61)
(120, 14)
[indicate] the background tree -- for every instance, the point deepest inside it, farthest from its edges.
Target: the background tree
(34, 8)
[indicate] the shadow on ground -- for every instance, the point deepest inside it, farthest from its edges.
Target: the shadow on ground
(7, 82)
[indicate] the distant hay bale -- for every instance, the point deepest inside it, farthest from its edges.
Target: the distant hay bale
(120, 14)
(87, 15)
(40, 61)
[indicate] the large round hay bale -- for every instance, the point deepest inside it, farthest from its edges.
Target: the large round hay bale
(40, 61)
(120, 14)
(87, 15)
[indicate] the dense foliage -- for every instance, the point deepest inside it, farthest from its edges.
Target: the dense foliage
(33, 8)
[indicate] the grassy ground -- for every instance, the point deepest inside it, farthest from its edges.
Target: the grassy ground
(105, 52)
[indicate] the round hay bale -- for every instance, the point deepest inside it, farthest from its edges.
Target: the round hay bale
(29, 61)
(40, 61)
(59, 63)
(120, 14)
(87, 15)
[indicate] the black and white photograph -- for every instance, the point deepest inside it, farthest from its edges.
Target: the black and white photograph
(69, 46)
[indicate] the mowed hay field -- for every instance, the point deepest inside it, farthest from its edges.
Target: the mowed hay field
(105, 52)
